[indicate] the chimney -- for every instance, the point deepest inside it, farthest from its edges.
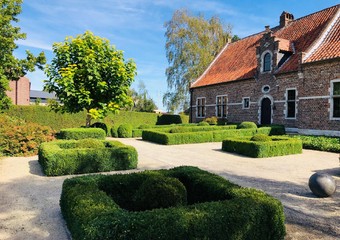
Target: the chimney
(267, 28)
(286, 18)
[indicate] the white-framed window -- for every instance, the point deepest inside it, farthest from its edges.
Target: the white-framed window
(245, 103)
(291, 98)
(335, 99)
(221, 106)
(200, 107)
(266, 61)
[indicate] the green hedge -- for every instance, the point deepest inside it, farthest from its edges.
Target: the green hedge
(102, 207)
(42, 115)
(207, 134)
(279, 146)
(81, 133)
(320, 143)
(63, 157)
(181, 128)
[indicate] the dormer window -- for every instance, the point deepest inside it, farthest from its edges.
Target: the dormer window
(267, 62)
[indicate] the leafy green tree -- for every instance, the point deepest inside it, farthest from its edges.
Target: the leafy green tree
(192, 42)
(142, 103)
(12, 68)
(89, 73)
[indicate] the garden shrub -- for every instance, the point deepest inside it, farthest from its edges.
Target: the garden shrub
(65, 157)
(102, 126)
(320, 143)
(211, 120)
(81, 133)
(203, 123)
(216, 209)
(160, 192)
(279, 146)
(222, 121)
(260, 138)
(124, 131)
(247, 125)
(21, 138)
(166, 119)
(144, 126)
(114, 131)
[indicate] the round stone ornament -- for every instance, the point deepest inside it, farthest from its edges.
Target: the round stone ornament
(322, 184)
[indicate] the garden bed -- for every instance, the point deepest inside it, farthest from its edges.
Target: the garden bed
(205, 206)
(204, 134)
(278, 146)
(65, 157)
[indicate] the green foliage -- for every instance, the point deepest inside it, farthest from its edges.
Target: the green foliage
(247, 125)
(141, 101)
(65, 157)
(81, 133)
(260, 138)
(114, 131)
(211, 120)
(102, 126)
(144, 126)
(12, 68)
(167, 119)
(160, 192)
(21, 138)
(321, 143)
(192, 42)
(125, 131)
(280, 146)
(203, 123)
(89, 73)
(42, 115)
(93, 207)
(199, 134)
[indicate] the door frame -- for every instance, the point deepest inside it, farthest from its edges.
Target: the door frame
(271, 108)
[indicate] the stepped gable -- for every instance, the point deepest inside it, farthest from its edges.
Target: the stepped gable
(315, 36)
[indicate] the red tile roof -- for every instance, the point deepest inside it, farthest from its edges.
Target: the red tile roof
(316, 34)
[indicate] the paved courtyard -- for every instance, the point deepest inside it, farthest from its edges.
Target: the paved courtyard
(29, 201)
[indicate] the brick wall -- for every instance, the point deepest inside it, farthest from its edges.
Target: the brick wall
(20, 91)
(312, 85)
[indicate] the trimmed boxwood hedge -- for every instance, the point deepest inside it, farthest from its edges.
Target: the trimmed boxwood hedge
(203, 134)
(279, 146)
(63, 157)
(81, 133)
(181, 128)
(102, 207)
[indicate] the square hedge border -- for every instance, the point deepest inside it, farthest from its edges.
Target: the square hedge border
(217, 209)
(208, 134)
(279, 146)
(81, 133)
(64, 157)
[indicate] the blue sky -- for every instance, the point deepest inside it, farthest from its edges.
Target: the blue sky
(137, 27)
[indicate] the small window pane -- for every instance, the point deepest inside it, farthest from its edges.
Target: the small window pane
(266, 62)
(336, 107)
(246, 103)
(336, 88)
(291, 110)
(291, 94)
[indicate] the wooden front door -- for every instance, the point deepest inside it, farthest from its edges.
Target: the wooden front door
(266, 111)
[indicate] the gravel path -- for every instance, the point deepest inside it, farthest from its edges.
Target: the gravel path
(29, 201)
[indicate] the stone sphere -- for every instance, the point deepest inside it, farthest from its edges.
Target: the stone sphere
(322, 185)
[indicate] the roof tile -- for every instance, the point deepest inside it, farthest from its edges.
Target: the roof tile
(238, 60)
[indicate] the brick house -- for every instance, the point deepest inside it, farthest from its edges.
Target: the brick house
(289, 75)
(20, 91)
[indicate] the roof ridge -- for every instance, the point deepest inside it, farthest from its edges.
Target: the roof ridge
(317, 43)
